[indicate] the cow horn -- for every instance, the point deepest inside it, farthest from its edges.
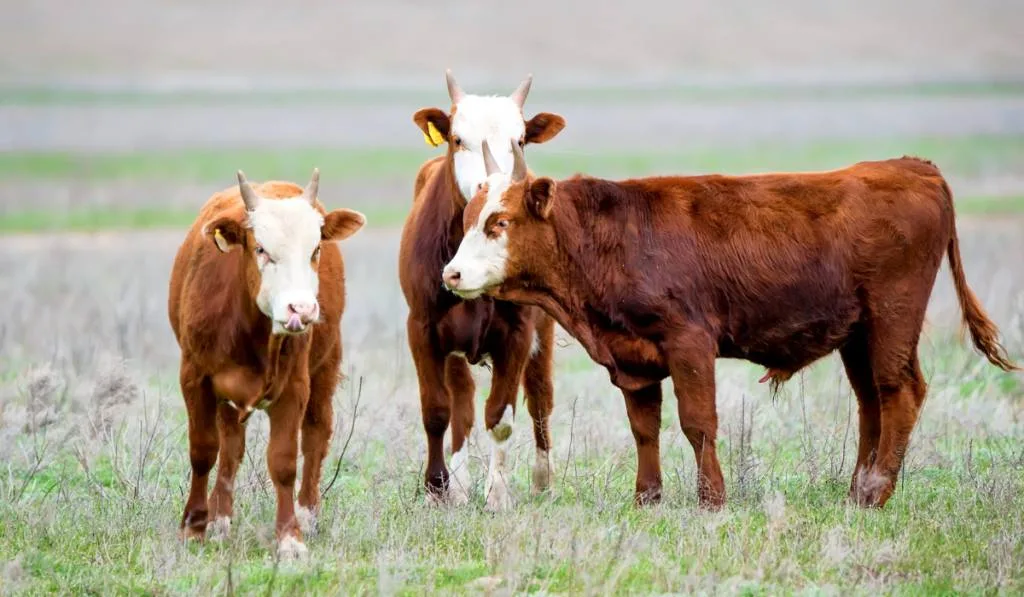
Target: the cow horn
(313, 188)
(249, 196)
(490, 167)
(519, 95)
(454, 91)
(518, 164)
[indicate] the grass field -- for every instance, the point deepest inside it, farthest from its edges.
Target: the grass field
(93, 451)
(92, 437)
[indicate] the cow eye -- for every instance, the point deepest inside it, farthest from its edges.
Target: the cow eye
(316, 254)
(522, 143)
(502, 223)
(260, 250)
(457, 141)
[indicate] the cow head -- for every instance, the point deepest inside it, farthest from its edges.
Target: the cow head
(280, 242)
(474, 119)
(507, 228)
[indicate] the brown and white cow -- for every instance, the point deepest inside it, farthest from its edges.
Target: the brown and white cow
(446, 334)
(256, 298)
(658, 277)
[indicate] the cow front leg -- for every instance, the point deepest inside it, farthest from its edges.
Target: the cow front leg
(499, 415)
(435, 405)
(286, 414)
(644, 410)
(317, 428)
(202, 448)
(231, 431)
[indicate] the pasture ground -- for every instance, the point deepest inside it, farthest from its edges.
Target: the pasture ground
(113, 131)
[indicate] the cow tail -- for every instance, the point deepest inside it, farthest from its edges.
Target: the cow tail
(984, 333)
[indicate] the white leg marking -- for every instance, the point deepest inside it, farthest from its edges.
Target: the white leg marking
(458, 479)
(219, 529)
(498, 496)
(541, 472)
(306, 519)
(535, 346)
(290, 549)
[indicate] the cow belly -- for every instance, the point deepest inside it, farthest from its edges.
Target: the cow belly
(791, 343)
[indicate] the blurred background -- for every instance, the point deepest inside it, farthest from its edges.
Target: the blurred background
(98, 100)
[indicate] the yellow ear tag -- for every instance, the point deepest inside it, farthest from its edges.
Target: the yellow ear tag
(433, 136)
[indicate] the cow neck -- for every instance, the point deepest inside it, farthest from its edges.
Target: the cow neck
(266, 345)
(564, 289)
(439, 233)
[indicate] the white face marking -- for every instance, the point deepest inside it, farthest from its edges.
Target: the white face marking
(481, 260)
(499, 498)
(496, 119)
(288, 232)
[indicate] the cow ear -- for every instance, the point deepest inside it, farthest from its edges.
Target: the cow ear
(226, 233)
(341, 224)
(434, 123)
(543, 127)
(538, 197)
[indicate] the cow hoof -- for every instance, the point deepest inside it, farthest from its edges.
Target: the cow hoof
(499, 499)
(307, 520)
(291, 549)
(220, 528)
(872, 489)
(189, 534)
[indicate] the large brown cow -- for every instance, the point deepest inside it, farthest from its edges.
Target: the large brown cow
(446, 334)
(658, 277)
(256, 298)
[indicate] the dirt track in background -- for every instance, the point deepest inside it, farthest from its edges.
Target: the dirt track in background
(380, 41)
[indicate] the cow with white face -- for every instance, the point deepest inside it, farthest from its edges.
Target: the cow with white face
(285, 242)
(481, 259)
(447, 334)
(256, 298)
(474, 119)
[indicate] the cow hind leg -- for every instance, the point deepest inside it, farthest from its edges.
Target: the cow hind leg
(901, 388)
(693, 374)
(317, 428)
(538, 386)
(232, 449)
(857, 361)
(203, 443)
(461, 390)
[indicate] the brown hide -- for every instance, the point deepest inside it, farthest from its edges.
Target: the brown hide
(657, 277)
(230, 364)
(446, 333)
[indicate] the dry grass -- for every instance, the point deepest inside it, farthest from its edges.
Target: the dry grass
(92, 441)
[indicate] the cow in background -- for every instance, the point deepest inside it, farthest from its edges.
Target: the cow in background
(658, 277)
(256, 297)
(447, 334)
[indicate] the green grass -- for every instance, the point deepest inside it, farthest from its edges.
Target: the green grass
(100, 515)
(971, 155)
(968, 156)
(51, 96)
(101, 219)
(388, 214)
